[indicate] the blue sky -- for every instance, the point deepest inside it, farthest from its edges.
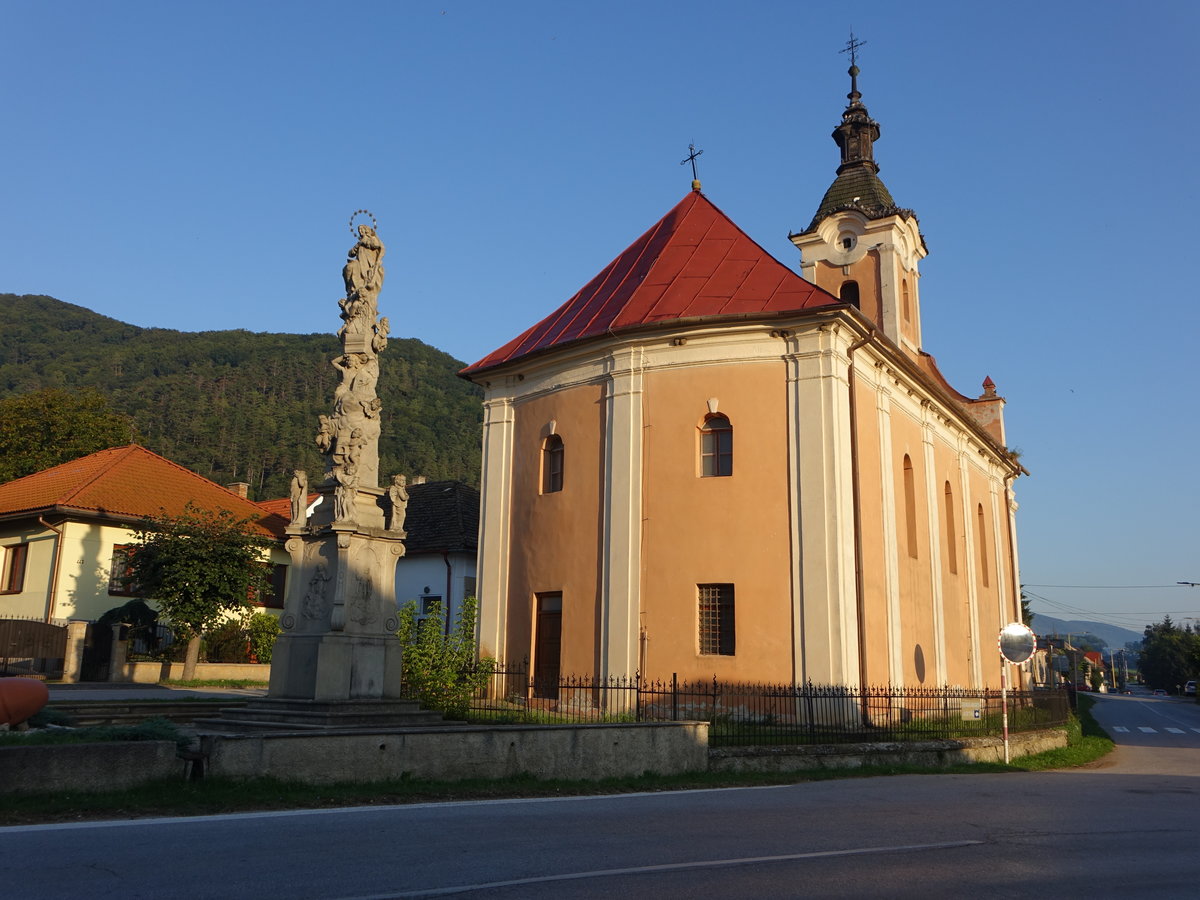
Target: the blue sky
(193, 166)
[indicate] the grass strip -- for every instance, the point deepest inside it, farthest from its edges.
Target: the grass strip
(1087, 743)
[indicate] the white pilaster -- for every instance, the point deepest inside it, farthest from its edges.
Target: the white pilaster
(933, 532)
(891, 547)
(495, 525)
(621, 564)
(823, 588)
(996, 512)
(970, 549)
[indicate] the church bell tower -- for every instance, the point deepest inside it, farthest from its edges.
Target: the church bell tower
(861, 246)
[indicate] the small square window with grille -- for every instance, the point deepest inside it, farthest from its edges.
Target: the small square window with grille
(716, 619)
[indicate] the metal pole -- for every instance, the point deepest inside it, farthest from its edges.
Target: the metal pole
(1004, 704)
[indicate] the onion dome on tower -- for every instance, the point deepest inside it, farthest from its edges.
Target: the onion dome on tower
(860, 246)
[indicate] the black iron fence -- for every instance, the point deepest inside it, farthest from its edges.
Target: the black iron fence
(742, 714)
(149, 642)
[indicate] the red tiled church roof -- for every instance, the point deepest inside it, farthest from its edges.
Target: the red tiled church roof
(693, 263)
(127, 483)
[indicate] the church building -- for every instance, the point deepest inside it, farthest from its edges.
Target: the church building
(706, 464)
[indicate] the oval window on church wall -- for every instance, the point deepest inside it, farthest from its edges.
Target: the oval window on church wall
(849, 292)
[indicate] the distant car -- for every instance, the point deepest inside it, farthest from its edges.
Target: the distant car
(1190, 689)
(1159, 692)
(1127, 691)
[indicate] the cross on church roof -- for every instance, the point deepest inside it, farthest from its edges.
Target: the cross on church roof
(691, 158)
(852, 46)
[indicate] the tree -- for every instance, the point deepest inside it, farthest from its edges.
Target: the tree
(52, 426)
(1169, 655)
(199, 567)
(1026, 611)
(440, 668)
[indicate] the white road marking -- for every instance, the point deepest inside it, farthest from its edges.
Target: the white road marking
(667, 867)
(1146, 729)
(1176, 731)
(1121, 728)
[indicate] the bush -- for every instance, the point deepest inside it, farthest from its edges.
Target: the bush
(262, 629)
(227, 643)
(440, 670)
(245, 640)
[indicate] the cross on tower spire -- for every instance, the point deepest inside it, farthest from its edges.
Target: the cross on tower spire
(852, 47)
(691, 158)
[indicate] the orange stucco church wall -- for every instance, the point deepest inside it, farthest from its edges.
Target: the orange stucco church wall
(555, 536)
(724, 530)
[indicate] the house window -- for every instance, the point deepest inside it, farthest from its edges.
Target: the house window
(716, 447)
(981, 528)
(13, 579)
(849, 292)
(716, 619)
(552, 464)
(951, 542)
(274, 597)
(429, 605)
(910, 506)
(120, 570)
(468, 586)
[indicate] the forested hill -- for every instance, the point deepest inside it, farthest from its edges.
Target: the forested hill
(238, 405)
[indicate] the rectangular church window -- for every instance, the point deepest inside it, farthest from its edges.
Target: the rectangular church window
(716, 619)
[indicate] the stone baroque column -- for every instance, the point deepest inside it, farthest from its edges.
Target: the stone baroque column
(339, 622)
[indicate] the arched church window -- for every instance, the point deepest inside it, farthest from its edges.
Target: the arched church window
(910, 506)
(716, 446)
(552, 464)
(849, 292)
(905, 306)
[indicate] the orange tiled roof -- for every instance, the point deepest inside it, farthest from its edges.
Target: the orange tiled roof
(693, 263)
(282, 506)
(127, 483)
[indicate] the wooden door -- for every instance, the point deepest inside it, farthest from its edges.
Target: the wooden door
(547, 647)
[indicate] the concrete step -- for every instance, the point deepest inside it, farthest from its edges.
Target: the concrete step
(102, 712)
(414, 717)
(304, 715)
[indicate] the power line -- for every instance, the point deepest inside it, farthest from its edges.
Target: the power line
(1113, 587)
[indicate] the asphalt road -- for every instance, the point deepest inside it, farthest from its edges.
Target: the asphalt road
(1128, 827)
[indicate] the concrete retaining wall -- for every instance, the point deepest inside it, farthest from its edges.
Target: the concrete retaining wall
(154, 672)
(923, 754)
(86, 767)
(451, 753)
